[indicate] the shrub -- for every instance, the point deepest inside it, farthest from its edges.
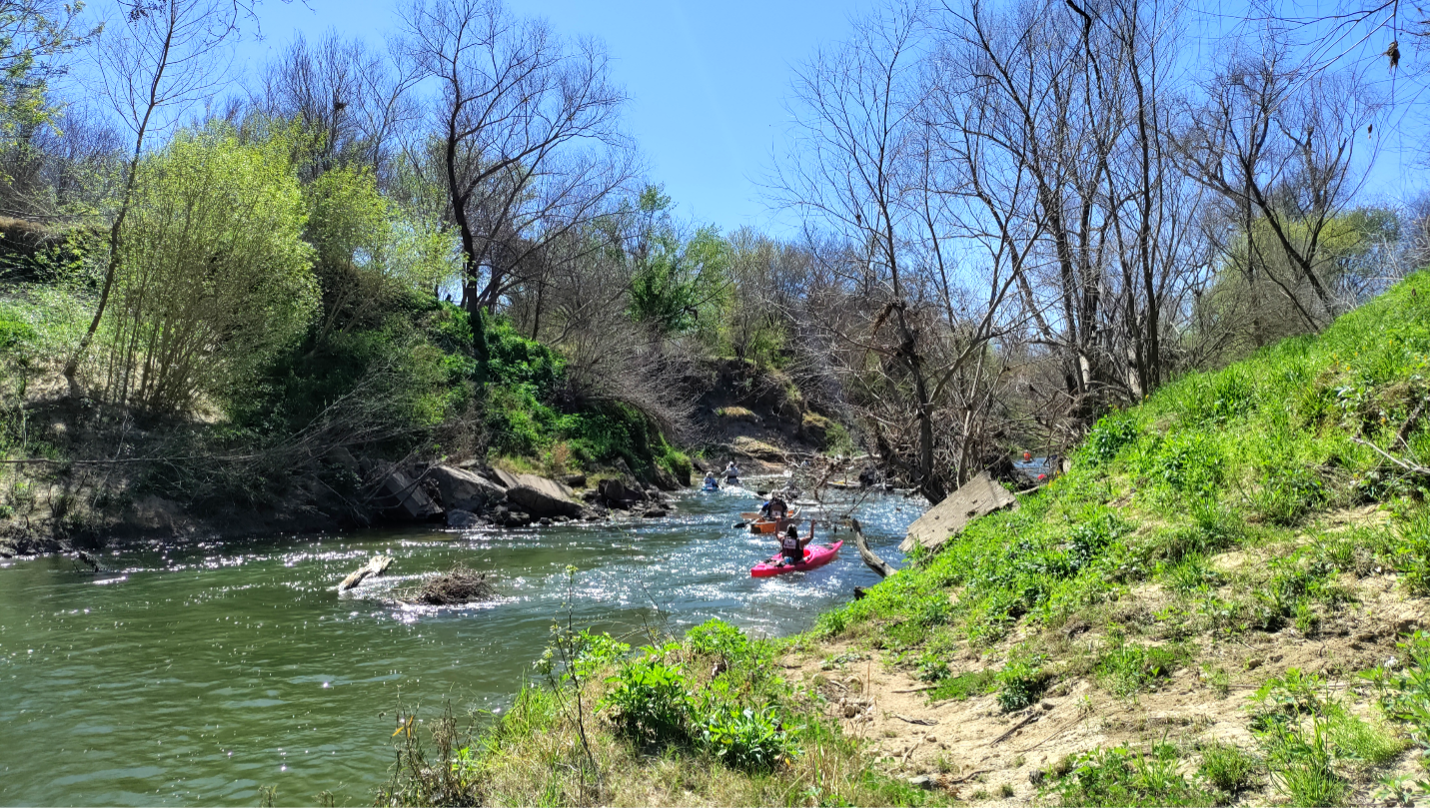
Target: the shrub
(1021, 682)
(215, 277)
(650, 701)
(746, 739)
(716, 638)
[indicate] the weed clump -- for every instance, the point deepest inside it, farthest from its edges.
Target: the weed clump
(1122, 776)
(1228, 768)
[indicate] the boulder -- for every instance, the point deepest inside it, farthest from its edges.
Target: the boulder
(615, 494)
(978, 497)
(506, 479)
(662, 480)
(816, 427)
(464, 490)
(544, 497)
(402, 497)
(461, 518)
(756, 449)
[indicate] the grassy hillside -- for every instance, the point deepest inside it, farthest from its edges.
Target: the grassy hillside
(1233, 518)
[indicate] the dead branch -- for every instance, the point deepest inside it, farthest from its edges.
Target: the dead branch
(875, 563)
(1418, 470)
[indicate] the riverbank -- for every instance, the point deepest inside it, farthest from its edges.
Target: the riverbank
(1222, 602)
(83, 477)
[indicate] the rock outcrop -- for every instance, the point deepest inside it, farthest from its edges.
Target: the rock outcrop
(542, 497)
(464, 490)
(403, 497)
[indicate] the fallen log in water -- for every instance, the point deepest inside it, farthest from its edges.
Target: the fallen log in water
(377, 566)
(875, 563)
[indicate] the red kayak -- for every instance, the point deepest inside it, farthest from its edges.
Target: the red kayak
(814, 556)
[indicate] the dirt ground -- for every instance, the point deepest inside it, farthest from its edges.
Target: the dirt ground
(976, 752)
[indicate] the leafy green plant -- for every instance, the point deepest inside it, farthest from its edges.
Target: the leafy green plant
(1021, 682)
(749, 739)
(1108, 436)
(1405, 694)
(649, 700)
(717, 638)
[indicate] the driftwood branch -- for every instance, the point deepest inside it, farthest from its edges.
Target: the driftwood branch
(1419, 470)
(376, 566)
(1027, 720)
(875, 563)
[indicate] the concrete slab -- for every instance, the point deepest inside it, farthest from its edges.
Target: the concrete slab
(980, 496)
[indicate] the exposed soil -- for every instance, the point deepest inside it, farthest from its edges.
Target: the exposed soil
(970, 748)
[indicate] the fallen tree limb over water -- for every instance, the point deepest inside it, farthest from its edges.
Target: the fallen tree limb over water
(875, 563)
(376, 566)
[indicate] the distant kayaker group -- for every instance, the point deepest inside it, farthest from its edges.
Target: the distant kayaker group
(796, 552)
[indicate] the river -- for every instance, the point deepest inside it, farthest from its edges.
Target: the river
(194, 674)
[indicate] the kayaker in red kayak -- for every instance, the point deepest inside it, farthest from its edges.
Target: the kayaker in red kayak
(792, 546)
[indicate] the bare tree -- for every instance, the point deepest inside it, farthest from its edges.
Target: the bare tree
(526, 143)
(357, 103)
(1280, 147)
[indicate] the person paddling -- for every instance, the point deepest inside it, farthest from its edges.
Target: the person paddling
(792, 546)
(711, 483)
(732, 472)
(774, 509)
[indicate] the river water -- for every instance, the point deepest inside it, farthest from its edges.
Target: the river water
(196, 674)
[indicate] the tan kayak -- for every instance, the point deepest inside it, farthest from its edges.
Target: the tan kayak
(754, 516)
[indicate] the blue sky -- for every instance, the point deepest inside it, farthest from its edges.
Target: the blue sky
(707, 80)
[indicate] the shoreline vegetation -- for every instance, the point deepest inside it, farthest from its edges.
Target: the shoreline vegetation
(1223, 602)
(434, 283)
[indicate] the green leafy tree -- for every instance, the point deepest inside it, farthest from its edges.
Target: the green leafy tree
(215, 278)
(369, 249)
(678, 285)
(34, 37)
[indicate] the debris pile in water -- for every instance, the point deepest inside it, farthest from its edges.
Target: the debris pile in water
(458, 585)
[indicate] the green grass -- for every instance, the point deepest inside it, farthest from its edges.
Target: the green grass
(1128, 777)
(1245, 459)
(965, 685)
(1228, 768)
(702, 721)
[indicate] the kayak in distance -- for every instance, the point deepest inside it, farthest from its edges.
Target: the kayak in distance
(815, 555)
